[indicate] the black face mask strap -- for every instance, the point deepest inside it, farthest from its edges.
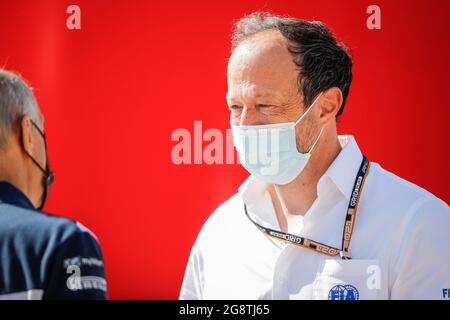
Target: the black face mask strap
(48, 176)
(36, 163)
(48, 173)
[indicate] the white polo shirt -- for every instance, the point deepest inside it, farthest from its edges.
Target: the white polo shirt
(400, 244)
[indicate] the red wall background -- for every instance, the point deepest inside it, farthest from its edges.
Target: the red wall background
(113, 92)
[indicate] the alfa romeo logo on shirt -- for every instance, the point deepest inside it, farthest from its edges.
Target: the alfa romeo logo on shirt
(343, 292)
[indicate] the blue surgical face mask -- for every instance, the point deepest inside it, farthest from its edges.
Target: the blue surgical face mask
(269, 152)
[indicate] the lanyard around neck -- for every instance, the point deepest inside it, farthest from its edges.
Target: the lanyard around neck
(349, 224)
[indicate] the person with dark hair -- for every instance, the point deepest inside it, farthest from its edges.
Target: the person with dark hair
(42, 256)
(316, 219)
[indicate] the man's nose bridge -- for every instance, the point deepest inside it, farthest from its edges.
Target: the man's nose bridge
(248, 116)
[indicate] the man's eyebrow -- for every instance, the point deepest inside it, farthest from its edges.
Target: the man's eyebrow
(268, 100)
(262, 95)
(258, 95)
(267, 94)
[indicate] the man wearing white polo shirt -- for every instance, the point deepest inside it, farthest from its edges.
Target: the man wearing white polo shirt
(316, 219)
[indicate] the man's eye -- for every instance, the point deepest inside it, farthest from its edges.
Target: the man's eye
(235, 107)
(263, 106)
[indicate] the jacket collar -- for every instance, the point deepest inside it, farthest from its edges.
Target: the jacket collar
(11, 195)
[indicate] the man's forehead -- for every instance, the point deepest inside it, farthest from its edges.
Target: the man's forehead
(245, 89)
(261, 68)
(267, 38)
(263, 45)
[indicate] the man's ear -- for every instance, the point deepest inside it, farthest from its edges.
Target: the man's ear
(26, 134)
(331, 101)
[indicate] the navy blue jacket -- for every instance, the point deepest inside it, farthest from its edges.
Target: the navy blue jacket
(44, 256)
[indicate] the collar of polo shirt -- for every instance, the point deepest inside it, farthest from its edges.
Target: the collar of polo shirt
(339, 178)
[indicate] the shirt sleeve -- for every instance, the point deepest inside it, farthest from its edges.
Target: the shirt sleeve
(76, 271)
(422, 267)
(192, 287)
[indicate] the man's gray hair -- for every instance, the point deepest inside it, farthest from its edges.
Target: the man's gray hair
(16, 100)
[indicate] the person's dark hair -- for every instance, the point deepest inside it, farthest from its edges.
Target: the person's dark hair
(323, 62)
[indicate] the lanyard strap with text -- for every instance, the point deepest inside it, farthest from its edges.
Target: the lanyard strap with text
(350, 219)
